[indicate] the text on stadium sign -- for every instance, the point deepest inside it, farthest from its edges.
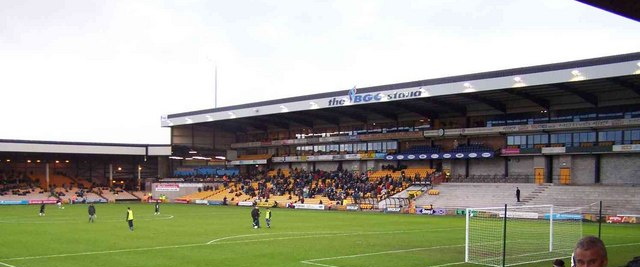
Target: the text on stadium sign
(354, 98)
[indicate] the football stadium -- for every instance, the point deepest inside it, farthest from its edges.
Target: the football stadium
(420, 173)
(505, 167)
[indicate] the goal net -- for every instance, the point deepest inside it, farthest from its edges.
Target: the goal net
(528, 234)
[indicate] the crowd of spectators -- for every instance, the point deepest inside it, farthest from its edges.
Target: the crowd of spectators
(334, 185)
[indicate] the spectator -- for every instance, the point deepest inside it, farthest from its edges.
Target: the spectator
(590, 251)
(558, 263)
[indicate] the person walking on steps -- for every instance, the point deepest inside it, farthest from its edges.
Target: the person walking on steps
(518, 194)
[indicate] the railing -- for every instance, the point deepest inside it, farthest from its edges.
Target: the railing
(495, 178)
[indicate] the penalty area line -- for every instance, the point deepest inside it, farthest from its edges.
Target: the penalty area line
(7, 265)
(313, 261)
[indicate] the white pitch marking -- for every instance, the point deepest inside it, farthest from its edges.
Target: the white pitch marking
(217, 243)
(449, 264)
(7, 265)
(377, 253)
(318, 264)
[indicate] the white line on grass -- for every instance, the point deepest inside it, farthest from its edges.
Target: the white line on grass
(67, 220)
(318, 264)
(312, 261)
(216, 243)
(449, 264)
(7, 265)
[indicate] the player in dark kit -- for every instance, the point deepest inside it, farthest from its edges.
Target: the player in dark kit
(92, 213)
(157, 207)
(255, 215)
(42, 209)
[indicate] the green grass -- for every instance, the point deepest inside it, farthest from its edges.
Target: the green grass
(180, 235)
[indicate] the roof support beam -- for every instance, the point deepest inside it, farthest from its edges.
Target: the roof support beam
(499, 106)
(544, 103)
(587, 97)
(413, 108)
(333, 120)
(340, 112)
(385, 114)
(297, 119)
(460, 109)
(631, 86)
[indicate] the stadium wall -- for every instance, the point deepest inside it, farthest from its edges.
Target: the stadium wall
(583, 169)
(486, 166)
(620, 169)
(457, 167)
(327, 166)
(520, 166)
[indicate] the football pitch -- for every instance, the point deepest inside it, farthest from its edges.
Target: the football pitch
(198, 236)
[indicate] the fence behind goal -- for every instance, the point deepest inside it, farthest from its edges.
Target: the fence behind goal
(528, 234)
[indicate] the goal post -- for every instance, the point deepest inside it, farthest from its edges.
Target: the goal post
(513, 235)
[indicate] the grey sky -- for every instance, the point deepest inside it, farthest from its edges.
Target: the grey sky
(105, 71)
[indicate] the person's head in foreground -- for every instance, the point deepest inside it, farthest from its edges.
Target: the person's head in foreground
(590, 252)
(558, 263)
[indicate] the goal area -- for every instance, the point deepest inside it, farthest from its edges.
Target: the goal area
(526, 234)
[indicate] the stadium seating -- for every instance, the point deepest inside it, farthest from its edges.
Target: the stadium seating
(616, 199)
(121, 195)
(198, 195)
(467, 195)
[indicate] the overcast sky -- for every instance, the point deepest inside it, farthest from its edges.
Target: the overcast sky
(106, 71)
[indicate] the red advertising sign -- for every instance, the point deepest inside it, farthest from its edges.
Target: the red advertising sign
(614, 219)
(510, 151)
(42, 201)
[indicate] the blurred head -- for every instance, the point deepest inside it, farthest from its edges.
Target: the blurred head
(558, 263)
(590, 252)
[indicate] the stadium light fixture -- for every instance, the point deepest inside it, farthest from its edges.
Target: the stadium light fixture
(119, 168)
(38, 161)
(221, 158)
(67, 161)
(57, 161)
(468, 88)
(188, 158)
(28, 161)
(283, 109)
(192, 151)
(577, 76)
(176, 157)
(8, 160)
(518, 82)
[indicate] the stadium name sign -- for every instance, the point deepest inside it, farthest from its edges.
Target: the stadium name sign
(375, 97)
